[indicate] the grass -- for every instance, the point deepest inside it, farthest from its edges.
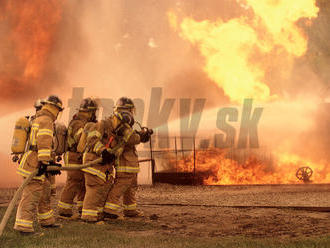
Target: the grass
(124, 233)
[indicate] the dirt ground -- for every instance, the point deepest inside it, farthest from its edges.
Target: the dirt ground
(218, 217)
(224, 211)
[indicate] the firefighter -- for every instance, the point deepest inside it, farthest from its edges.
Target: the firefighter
(75, 182)
(105, 139)
(127, 166)
(38, 105)
(36, 195)
(99, 177)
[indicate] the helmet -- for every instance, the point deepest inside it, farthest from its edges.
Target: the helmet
(125, 103)
(88, 104)
(54, 100)
(38, 104)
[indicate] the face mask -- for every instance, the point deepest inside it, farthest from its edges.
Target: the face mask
(93, 118)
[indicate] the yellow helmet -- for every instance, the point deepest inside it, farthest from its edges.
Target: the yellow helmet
(126, 104)
(54, 100)
(88, 104)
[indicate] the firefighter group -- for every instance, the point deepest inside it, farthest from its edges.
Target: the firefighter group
(105, 190)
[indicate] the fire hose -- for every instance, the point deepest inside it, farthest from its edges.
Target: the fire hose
(18, 192)
(300, 208)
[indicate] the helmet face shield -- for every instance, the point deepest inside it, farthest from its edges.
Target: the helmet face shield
(131, 110)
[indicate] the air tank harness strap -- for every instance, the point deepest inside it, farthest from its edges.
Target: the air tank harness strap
(33, 148)
(109, 142)
(117, 150)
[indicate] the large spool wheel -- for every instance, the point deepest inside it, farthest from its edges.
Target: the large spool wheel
(304, 174)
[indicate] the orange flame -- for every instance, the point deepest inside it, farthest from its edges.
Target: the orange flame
(217, 169)
(230, 47)
(31, 33)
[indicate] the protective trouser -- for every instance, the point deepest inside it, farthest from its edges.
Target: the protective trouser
(125, 186)
(96, 192)
(36, 197)
(74, 187)
(52, 185)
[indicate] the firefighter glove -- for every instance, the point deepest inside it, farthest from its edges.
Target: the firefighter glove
(42, 168)
(144, 136)
(58, 159)
(107, 157)
(56, 172)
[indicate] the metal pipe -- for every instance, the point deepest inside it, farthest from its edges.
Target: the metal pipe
(176, 155)
(194, 159)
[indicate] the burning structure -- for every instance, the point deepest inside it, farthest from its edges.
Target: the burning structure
(215, 166)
